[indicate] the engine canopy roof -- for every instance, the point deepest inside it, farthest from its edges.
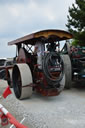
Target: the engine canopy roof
(46, 36)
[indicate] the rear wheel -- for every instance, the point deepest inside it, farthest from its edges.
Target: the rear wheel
(68, 48)
(22, 79)
(61, 84)
(67, 70)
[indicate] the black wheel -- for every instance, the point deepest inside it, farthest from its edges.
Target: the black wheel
(67, 70)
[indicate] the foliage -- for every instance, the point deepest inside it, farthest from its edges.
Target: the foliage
(74, 43)
(76, 21)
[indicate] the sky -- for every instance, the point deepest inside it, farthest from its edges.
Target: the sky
(21, 17)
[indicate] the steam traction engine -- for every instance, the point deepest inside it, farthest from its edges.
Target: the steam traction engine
(27, 77)
(75, 64)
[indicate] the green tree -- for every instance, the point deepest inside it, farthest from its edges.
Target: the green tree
(74, 42)
(76, 21)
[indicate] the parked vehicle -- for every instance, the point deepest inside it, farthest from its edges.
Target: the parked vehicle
(27, 77)
(4, 63)
(76, 64)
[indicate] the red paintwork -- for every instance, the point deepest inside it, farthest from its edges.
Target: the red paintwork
(47, 92)
(42, 84)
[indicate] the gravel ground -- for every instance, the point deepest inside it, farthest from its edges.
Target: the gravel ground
(13, 106)
(64, 111)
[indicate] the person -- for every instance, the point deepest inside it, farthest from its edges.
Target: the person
(39, 50)
(52, 47)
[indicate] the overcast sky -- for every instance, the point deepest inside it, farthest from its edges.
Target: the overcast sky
(21, 17)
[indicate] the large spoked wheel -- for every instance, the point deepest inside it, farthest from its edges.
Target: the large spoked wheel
(22, 79)
(68, 71)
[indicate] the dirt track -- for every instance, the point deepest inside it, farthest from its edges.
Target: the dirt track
(64, 111)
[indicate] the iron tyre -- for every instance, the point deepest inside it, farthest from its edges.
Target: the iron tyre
(22, 78)
(67, 70)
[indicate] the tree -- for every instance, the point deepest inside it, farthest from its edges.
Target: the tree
(76, 21)
(74, 42)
